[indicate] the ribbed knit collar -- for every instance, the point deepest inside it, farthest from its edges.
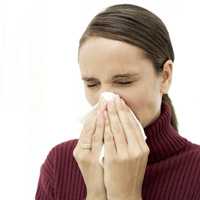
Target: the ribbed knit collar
(163, 139)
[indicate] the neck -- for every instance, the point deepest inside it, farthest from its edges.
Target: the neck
(163, 139)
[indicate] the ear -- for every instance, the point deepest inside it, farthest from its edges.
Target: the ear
(166, 77)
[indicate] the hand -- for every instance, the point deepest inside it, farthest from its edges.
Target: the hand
(126, 153)
(92, 172)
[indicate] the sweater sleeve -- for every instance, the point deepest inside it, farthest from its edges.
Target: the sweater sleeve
(45, 187)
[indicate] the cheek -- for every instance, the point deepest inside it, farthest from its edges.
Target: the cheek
(89, 99)
(144, 109)
(139, 108)
(142, 100)
(137, 103)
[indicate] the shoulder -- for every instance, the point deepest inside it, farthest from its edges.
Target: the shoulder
(66, 146)
(192, 150)
(59, 158)
(58, 163)
(190, 158)
(65, 165)
(62, 152)
(59, 152)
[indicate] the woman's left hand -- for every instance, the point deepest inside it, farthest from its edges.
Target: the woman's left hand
(126, 153)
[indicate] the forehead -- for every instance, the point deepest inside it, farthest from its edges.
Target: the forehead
(99, 55)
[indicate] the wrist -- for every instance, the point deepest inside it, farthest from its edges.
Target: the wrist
(127, 199)
(95, 197)
(131, 198)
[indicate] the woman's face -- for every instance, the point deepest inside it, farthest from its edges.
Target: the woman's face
(106, 65)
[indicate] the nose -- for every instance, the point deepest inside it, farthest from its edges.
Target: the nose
(105, 91)
(106, 88)
(104, 97)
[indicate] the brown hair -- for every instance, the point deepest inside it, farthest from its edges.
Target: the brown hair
(137, 26)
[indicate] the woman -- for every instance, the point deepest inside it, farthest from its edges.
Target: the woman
(126, 50)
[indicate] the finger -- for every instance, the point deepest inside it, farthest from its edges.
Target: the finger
(102, 104)
(87, 132)
(138, 124)
(90, 120)
(129, 125)
(97, 138)
(117, 130)
(143, 164)
(109, 144)
(140, 131)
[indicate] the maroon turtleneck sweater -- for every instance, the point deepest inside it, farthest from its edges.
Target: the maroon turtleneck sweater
(172, 172)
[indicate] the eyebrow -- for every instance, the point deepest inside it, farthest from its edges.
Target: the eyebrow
(126, 75)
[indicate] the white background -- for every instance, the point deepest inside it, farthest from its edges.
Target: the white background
(41, 93)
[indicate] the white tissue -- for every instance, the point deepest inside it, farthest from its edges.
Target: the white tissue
(108, 96)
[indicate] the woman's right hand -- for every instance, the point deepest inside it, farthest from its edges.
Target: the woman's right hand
(88, 159)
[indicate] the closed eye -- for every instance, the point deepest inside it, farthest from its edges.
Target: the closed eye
(122, 83)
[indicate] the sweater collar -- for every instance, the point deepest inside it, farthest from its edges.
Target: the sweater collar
(163, 139)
